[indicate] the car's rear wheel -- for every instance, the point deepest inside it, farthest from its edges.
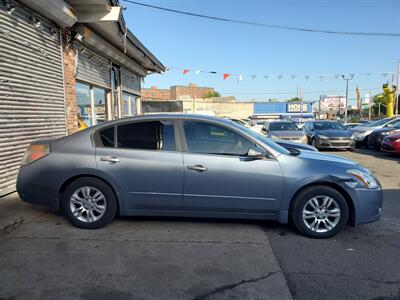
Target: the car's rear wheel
(319, 212)
(89, 203)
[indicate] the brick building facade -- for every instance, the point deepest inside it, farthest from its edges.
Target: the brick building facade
(176, 92)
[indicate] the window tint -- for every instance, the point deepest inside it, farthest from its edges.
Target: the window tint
(283, 126)
(154, 135)
(213, 139)
(107, 137)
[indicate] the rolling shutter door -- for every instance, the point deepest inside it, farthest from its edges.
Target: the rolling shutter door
(32, 102)
(130, 82)
(92, 68)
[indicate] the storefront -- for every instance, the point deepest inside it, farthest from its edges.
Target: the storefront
(64, 66)
(295, 111)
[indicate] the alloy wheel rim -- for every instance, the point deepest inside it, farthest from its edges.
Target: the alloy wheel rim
(321, 214)
(87, 204)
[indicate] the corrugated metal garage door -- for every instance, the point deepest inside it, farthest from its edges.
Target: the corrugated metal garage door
(130, 82)
(92, 68)
(32, 102)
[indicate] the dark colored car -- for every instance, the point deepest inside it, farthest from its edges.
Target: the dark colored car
(376, 137)
(328, 135)
(391, 143)
(195, 166)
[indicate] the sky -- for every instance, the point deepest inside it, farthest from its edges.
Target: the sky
(186, 42)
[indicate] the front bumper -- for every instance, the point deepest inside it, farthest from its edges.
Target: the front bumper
(367, 205)
(336, 143)
(360, 136)
(393, 147)
(300, 141)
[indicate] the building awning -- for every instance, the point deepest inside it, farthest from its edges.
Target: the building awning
(105, 19)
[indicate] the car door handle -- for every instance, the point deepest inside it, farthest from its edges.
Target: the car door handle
(111, 159)
(199, 168)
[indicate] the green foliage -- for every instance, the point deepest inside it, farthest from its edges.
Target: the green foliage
(295, 99)
(212, 94)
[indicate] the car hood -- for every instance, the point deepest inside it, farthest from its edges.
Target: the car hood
(365, 129)
(287, 133)
(334, 133)
(385, 129)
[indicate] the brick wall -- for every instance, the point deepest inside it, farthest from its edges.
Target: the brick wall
(176, 92)
(70, 84)
(155, 93)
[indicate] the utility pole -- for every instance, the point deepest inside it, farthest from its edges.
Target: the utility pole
(397, 90)
(347, 78)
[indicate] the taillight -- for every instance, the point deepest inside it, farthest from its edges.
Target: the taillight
(35, 152)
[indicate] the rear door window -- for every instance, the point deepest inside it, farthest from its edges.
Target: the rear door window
(107, 137)
(151, 135)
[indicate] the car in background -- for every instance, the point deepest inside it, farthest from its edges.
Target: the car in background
(284, 130)
(351, 125)
(195, 166)
(391, 143)
(323, 134)
(362, 132)
(248, 123)
(376, 137)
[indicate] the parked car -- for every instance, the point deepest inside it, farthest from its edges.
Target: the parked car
(391, 143)
(248, 123)
(284, 130)
(196, 166)
(362, 132)
(293, 145)
(328, 135)
(351, 125)
(376, 137)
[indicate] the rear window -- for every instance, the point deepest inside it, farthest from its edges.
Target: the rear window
(153, 135)
(107, 137)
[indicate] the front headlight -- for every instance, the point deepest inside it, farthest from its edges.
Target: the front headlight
(273, 136)
(387, 132)
(304, 138)
(323, 137)
(362, 179)
(352, 137)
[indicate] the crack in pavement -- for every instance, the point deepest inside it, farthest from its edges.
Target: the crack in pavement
(345, 276)
(231, 286)
(132, 240)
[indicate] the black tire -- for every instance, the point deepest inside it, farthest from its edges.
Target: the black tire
(359, 144)
(111, 205)
(314, 143)
(298, 204)
(367, 143)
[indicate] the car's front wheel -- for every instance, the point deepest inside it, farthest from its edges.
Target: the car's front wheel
(319, 212)
(89, 203)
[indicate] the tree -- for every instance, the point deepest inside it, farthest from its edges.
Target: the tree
(211, 94)
(295, 99)
(379, 100)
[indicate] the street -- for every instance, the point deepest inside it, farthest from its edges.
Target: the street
(161, 258)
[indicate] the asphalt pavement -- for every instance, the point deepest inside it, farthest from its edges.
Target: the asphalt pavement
(43, 257)
(362, 262)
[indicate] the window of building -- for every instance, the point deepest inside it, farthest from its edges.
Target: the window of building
(91, 105)
(153, 135)
(213, 139)
(128, 104)
(84, 105)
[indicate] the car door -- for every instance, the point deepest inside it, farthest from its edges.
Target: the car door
(142, 158)
(219, 177)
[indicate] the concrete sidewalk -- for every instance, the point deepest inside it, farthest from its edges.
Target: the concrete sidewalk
(14, 212)
(134, 258)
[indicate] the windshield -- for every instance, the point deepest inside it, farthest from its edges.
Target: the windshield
(267, 141)
(377, 123)
(328, 126)
(283, 126)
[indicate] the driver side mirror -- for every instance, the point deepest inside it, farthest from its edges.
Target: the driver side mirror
(252, 153)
